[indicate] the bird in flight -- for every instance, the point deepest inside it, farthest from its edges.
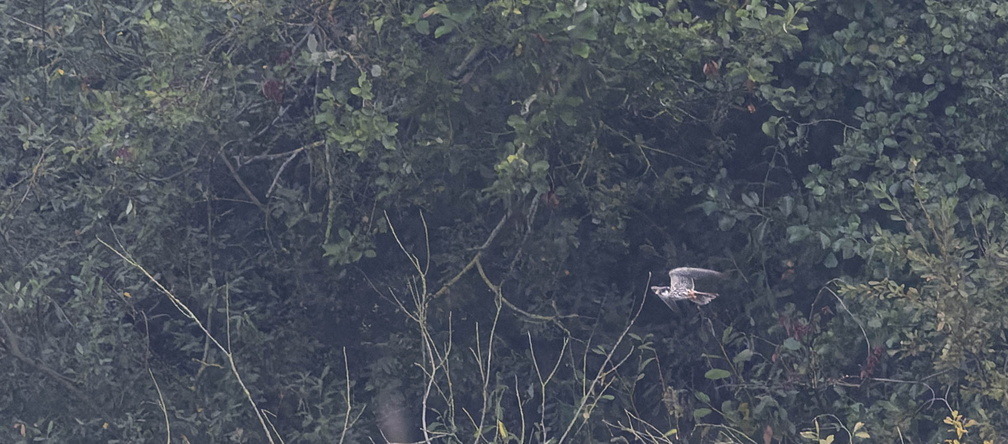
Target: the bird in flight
(681, 287)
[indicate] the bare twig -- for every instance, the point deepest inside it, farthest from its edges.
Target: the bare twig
(247, 160)
(854, 318)
(241, 183)
(496, 289)
(276, 177)
(188, 313)
(161, 402)
(544, 382)
(435, 359)
(521, 410)
(601, 382)
(650, 434)
(475, 259)
(346, 421)
(484, 362)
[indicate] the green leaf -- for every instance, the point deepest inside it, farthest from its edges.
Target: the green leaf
(769, 128)
(786, 205)
(581, 49)
(423, 27)
(791, 344)
(717, 373)
(437, 9)
(517, 122)
(702, 397)
(312, 43)
(726, 223)
(797, 233)
(443, 29)
(830, 261)
(750, 199)
(743, 356)
(540, 166)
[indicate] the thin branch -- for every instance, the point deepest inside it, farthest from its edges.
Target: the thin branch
(496, 289)
(856, 320)
(521, 409)
(30, 25)
(161, 402)
(346, 421)
(247, 160)
(590, 398)
(241, 183)
(485, 368)
(475, 259)
(276, 177)
(544, 382)
(188, 313)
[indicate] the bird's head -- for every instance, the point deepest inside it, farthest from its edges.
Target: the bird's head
(662, 291)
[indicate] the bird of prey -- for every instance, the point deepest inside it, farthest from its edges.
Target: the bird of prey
(681, 287)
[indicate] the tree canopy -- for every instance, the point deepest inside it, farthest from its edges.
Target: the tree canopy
(387, 221)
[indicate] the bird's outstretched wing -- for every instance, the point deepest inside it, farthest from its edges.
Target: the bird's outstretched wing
(693, 273)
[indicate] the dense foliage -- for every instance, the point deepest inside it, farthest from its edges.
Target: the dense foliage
(333, 221)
